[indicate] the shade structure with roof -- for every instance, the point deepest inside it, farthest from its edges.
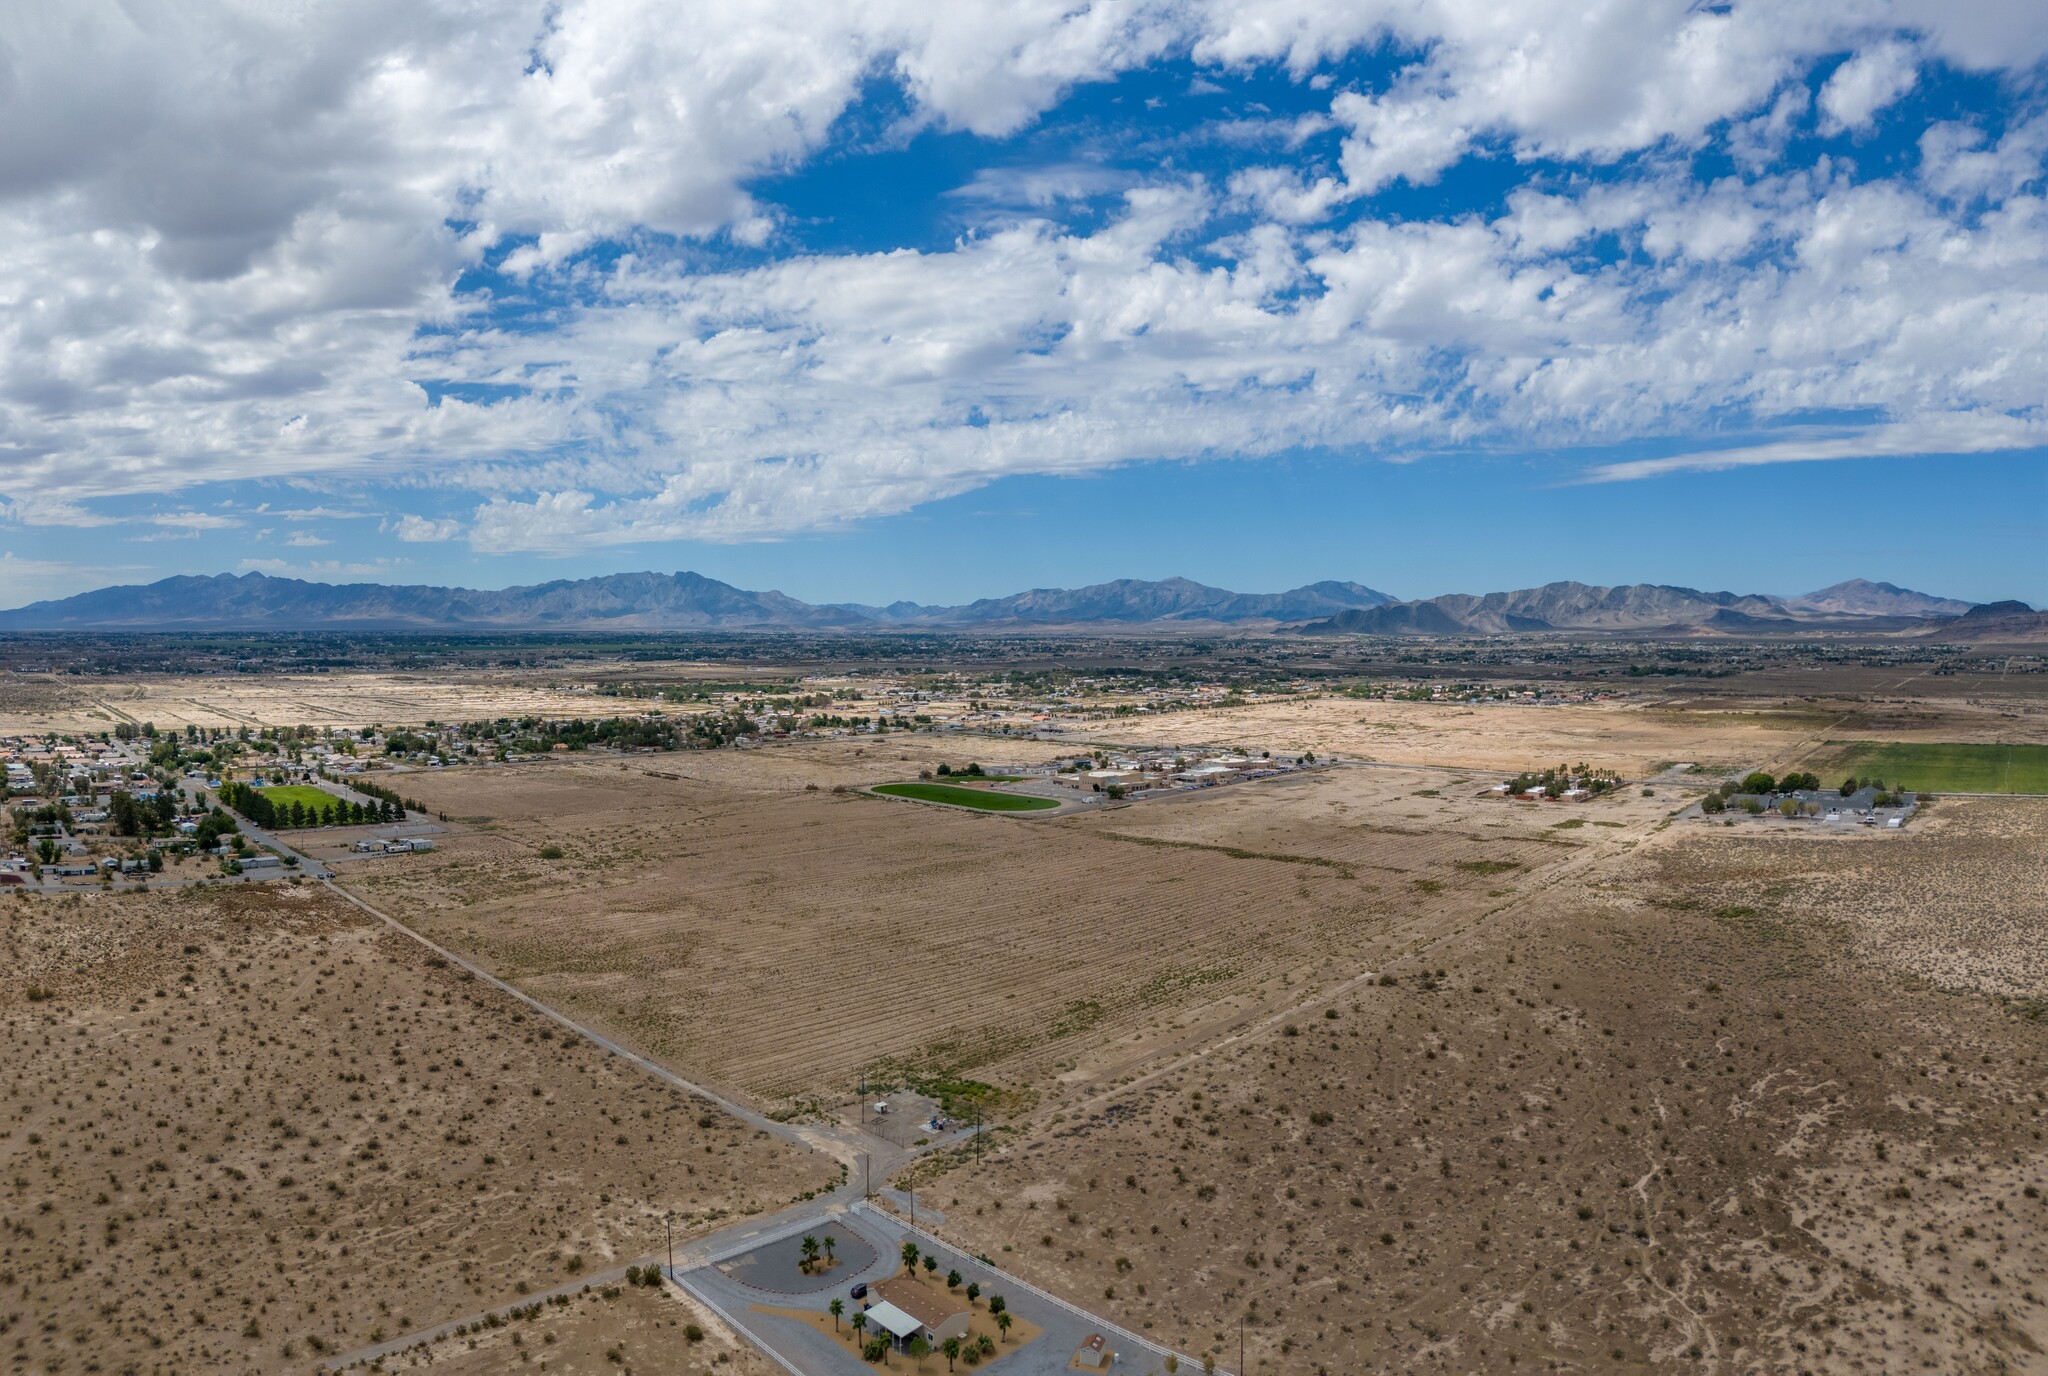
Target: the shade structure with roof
(893, 1321)
(938, 1314)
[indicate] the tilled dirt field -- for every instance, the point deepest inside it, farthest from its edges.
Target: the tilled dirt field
(778, 938)
(246, 1129)
(1635, 1124)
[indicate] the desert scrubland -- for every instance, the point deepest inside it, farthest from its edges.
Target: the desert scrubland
(243, 1129)
(1695, 1110)
(1394, 1072)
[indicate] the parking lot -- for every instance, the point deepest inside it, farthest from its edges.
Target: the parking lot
(742, 1288)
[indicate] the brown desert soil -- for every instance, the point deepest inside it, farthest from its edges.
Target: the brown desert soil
(777, 939)
(615, 1331)
(243, 1128)
(1637, 1123)
(1638, 736)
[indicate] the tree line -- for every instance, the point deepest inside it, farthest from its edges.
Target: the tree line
(340, 812)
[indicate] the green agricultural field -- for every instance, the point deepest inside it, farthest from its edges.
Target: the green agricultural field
(284, 795)
(1937, 768)
(985, 799)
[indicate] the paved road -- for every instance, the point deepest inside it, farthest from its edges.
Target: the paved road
(731, 1292)
(866, 1156)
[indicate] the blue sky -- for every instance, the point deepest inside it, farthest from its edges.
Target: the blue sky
(1430, 295)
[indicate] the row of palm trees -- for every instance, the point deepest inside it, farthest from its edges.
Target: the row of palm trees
(811, 1248)
(877, 1349)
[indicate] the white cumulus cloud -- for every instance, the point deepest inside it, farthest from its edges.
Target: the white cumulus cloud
(232, 238)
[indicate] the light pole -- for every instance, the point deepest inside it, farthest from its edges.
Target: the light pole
(668, 1224)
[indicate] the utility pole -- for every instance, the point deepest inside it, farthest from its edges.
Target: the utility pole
(863, 1092)
(1240, 1345)
(668, 1224)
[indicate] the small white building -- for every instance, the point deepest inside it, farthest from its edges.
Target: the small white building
(900, 1327)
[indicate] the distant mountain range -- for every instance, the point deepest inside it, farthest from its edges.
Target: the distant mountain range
(1854, 605)
(692, 602)
(645, 602)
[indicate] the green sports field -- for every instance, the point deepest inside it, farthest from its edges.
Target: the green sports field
(985, 799)
(1937, 768)
(284, 795)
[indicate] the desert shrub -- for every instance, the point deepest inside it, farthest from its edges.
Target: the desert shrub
(551, 851)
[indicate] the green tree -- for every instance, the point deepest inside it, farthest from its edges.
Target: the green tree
(973, 1291)
(951, 1347)
(1003, 1322)
(919, 1349)
(997, 1304)
(952, 1280)
(1759, 782)
(931, 1263)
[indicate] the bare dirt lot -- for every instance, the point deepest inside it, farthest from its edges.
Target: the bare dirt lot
(612, 1331)
(31, 705)
(245, 1129)
(1636, 1124)
(776, 936)
(1637, 736)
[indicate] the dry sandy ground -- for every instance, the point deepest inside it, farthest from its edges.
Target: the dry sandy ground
(616, 1331)
(1631, 1126)
(728, 913)
(1959, 898)
(247, 1127)
(1638, 736)
(352, 699)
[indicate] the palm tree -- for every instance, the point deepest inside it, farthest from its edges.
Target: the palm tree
(809, 1247)
(837, 1307)
(951, 1347)
(986, 1344)
(860, 1323)
(1003, 1322)
(910, 1257)
(830, 1243)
